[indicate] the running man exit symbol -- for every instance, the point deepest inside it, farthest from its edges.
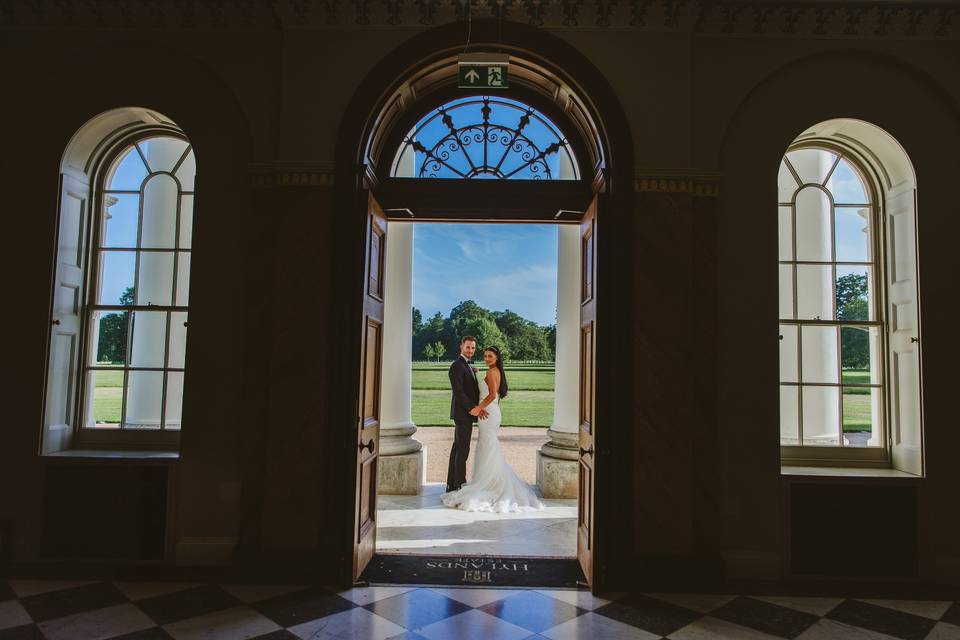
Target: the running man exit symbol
(482, 70)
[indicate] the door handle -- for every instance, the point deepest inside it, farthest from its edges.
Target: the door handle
(369, 446)
(586, 452)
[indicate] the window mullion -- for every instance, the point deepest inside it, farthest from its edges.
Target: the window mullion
(166, 364)
(126, 371)
(796, 305)
(829, 175)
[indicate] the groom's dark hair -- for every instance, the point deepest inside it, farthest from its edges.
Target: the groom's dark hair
(467, 339)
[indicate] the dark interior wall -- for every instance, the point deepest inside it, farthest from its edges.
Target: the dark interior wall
(263, 106)
(50, 99)
(923, 117)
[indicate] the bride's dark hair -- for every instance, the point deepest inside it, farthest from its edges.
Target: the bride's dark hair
(502, 391)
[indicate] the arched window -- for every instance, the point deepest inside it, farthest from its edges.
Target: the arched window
(849, 390)
(123, 293)
(484, 137)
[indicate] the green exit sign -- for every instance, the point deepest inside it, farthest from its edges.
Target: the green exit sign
(482, 70)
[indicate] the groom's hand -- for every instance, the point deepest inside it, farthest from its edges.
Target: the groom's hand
(484, 414)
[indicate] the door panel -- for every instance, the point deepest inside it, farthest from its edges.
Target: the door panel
(588, 313)
(368, 410)
(906, 411)
(66, 318)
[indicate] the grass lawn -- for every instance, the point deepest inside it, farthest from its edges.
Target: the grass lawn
(520, 408)
(856, 411)
(107, 397)
(522, 377)
(856, 401)
(529, 403)
(856, 376)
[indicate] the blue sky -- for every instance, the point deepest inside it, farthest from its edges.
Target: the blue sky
(500, 266)
(505, 115)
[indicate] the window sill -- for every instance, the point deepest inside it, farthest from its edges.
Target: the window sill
(113, 454)
(844, 472)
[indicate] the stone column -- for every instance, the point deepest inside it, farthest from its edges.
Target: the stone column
(557, 460)
(154, 287)
(402, 458)
(821, 405)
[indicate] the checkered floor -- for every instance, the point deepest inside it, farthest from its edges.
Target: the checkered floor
(60, 610)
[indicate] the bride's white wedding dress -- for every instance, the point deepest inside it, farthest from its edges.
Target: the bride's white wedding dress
(494, 486)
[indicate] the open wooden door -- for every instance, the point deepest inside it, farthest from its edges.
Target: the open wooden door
(588, 349)
(368, 411)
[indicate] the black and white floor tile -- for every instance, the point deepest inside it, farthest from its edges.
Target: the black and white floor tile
(90, 610)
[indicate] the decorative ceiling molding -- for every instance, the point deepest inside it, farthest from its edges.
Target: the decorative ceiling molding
(797, 18)
(291, 174)
(692, 181)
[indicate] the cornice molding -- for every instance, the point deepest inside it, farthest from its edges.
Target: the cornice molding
(759, 18)
(691, 181)
(297, 174)
(291, 174)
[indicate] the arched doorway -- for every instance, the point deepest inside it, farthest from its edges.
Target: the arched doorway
(559, 82)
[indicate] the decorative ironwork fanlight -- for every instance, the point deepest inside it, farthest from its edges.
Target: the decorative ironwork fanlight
(484, 137)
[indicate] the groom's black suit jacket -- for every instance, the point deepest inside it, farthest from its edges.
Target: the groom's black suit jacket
(466, 392)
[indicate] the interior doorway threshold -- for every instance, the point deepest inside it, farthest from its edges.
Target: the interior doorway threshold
(487, 571)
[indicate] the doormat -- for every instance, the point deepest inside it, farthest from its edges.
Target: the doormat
(473, 570)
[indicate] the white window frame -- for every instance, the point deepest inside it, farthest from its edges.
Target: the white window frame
(842, 455)
(94, 439)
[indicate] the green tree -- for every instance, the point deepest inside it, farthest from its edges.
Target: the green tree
(513, 334)
(470, 319)
(853, 305)
(429, 333)
(112, 341)
(429, 351)
(525, 339)
(487, 333)
(852, 291)
(417, 321)
(551, 334)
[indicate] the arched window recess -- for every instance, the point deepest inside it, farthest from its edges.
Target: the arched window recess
(120, 302)
(850, 389)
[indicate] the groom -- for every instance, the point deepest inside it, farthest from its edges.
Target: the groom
(464, 411)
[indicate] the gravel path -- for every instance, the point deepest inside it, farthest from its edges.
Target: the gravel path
(519, 445)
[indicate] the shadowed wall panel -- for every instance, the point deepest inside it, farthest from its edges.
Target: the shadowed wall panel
(852, 530)
(105, 512)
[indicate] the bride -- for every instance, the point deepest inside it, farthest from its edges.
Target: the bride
(494, 485)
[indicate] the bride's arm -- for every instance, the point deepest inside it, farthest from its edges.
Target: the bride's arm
(493, 384)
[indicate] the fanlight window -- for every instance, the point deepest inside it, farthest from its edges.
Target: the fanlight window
(831, 320)
(138, 307)
(485, 137)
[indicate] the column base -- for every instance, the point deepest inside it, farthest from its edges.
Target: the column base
(402, 475)
(558, 478)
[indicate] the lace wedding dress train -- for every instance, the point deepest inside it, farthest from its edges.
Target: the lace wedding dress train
(494, 486)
